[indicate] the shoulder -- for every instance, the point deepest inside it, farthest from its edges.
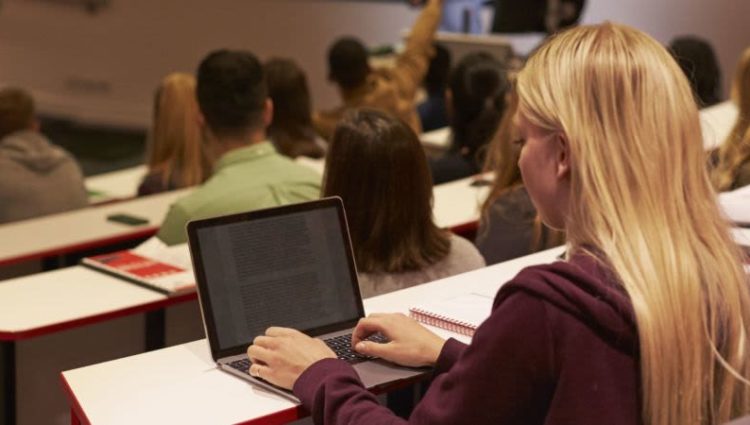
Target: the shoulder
(463, 251)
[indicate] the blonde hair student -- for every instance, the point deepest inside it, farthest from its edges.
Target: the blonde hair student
(732, 170)
(645, 321)
(175, 154)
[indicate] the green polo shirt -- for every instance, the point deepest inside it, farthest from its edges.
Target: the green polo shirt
(244, 179)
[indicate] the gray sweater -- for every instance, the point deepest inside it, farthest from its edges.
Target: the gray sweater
(462, 257)
(37, 178)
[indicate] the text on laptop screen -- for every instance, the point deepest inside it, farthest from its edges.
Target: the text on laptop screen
(289, 270)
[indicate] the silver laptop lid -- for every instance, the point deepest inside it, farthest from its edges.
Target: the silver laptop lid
(288, 266)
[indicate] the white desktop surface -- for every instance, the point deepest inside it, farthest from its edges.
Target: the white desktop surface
(121, 184)
(61, 232)
(59, 296)
(458, 202)
(438, 140)
(716, 123)
(182, 385)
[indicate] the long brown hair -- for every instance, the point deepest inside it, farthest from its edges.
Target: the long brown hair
(176, 147)
(736, 149)
(377, 166)
(502, 159)
(291, 129)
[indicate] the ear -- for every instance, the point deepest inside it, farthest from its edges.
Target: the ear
(267, 112)
(563, 156)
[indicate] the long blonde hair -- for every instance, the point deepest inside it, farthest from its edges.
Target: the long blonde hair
(175, 145)
(736, 148)
(641, 197)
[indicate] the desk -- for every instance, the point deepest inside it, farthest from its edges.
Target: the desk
(87, 228)
(117, 185)
(716, 123)
(182, 385)
(436, 141)
(59, 300)
(458, 204)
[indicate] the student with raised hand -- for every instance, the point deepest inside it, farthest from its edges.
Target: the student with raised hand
(646, 321)
(732, 168)
(291, 130)
(477, 91)
(389, 89)
(249, 174)
(36, 177)
(510, 226)
(376, 164)
(176, 155)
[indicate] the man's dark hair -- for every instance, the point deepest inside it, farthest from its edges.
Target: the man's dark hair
(231, 92)
(16, 110)
(347, 63)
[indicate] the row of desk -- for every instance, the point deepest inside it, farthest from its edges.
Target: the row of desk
(47, 305)
(181, 384)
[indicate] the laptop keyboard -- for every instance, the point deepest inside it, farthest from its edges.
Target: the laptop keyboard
(341, 345)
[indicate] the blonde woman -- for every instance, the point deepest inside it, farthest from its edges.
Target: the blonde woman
(645, 322)
(732, 170)
(175, 154)
(509, 226)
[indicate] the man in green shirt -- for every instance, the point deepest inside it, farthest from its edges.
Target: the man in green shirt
(249, 173)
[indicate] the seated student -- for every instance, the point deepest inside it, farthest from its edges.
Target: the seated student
(732, 168)
(36, 177)
(510, 226)
(249, 173)
(291, 130)
(433, 111)
(644, 322)
(176, 153)
(389, 89)
(378, 167)
(477, 95)
(698, 61)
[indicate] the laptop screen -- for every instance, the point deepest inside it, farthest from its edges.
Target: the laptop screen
(289, 266)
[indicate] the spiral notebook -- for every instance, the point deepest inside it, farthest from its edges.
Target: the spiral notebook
(462, 314)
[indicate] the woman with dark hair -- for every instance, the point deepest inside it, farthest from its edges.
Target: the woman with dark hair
(476, 100)
(291, 130)
(510, 226)
(698, 61)
(377, 166)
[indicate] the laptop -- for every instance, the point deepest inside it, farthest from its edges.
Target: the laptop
(289, 266)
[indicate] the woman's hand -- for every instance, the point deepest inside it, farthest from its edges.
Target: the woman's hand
(282, 354)
(411, 344)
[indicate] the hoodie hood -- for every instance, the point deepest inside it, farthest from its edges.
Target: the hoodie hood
(585, 288)
(33, 151)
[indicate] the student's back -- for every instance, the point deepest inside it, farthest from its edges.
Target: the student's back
(36, 177)
(249, 174)
(377, 166)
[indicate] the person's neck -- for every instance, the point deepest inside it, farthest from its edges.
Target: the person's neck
(228, 144)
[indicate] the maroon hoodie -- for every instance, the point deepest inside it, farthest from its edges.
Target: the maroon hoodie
(560, 347)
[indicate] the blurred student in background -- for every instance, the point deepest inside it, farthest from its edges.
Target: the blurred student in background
(698, 61)
(433, 111)
(249, 174)
(477, 91)
(291, 130)
(36, 177)
(388, 89)
(377, 166)
(176, 156)
(510, 226)
(732, 169)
